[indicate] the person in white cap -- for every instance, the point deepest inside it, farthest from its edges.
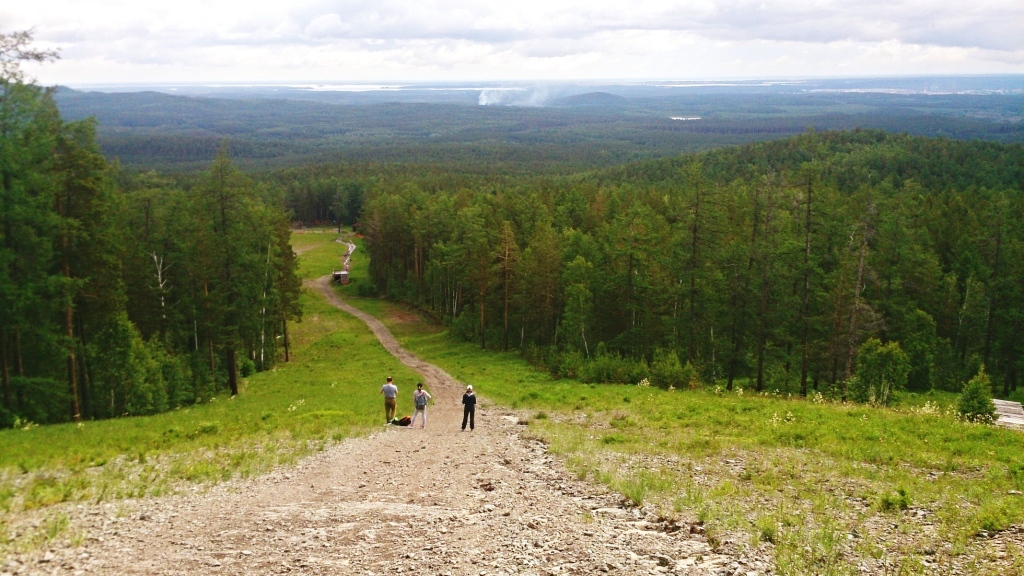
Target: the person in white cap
(468, 408)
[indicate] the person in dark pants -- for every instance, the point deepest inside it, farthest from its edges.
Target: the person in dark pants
(468, 408)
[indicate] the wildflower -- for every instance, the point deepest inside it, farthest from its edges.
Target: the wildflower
(24, 424)
(775, 420)
(644, 383)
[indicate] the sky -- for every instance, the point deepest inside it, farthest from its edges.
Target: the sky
(258, 41)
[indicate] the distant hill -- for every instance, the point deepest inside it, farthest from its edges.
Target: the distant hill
(154, 130)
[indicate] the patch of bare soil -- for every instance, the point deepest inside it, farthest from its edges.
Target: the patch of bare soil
(403, 316)
(435, 500)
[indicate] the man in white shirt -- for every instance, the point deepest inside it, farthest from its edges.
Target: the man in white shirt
(390, 392)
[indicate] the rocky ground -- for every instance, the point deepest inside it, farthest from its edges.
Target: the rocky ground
(429, 501)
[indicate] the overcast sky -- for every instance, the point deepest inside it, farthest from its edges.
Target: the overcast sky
(457, 40)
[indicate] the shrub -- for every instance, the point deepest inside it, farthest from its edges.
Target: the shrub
(668, 372)
(613, 368)
(128, 370)
(41, 400)
(975, 403)
(181, 388)
(570, 364)
(246, 367)
(894, 502)
(882, 371)
(6, 418)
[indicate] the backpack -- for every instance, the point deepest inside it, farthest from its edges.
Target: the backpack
(421, 401)
(404, 421)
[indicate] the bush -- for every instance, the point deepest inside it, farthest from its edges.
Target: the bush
(6, 418)
(882, 371)
(570, 364)
(246, 367)
(975, 403)
(126, 372)
(181, 387)
(668, 372)
(41, 400)
(613, 368)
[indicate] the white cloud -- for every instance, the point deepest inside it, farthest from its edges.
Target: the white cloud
(490, 39)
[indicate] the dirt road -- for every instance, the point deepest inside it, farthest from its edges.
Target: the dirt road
(426, 501)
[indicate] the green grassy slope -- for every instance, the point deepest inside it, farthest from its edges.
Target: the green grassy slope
(824, 483)
(329, 391)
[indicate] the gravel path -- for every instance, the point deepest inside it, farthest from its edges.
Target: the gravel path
(426, 501)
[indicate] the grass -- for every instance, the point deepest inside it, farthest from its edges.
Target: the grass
(328, 392)
(823, 483)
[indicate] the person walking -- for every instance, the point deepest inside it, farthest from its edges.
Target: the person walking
(419, 399)
(468, 408)
(390, 392)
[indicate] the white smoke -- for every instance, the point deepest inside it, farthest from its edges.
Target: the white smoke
(513, 96)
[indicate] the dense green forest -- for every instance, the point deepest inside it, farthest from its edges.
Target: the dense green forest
(150, 130)
(798, 265)
(124, 295)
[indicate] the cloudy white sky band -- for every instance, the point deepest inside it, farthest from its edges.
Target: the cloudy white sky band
(454, 40)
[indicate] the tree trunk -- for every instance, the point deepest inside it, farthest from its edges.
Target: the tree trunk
(762, 340)
(507, 258)
(69, 327)
(213, 360)
(852, 333)
(5, 374)
(694, 232)
(483, 332)
(86, 390)
(505, 343)
(287, 353)
(993, 300)
(805, 304)
(85, 379)
(1010, 382)
(17, 353)
(69, 316)
(232, 371)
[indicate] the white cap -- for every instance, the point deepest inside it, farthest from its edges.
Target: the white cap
(470, 387)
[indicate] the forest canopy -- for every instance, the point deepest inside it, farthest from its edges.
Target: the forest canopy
(776, 263)
(127, 295)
